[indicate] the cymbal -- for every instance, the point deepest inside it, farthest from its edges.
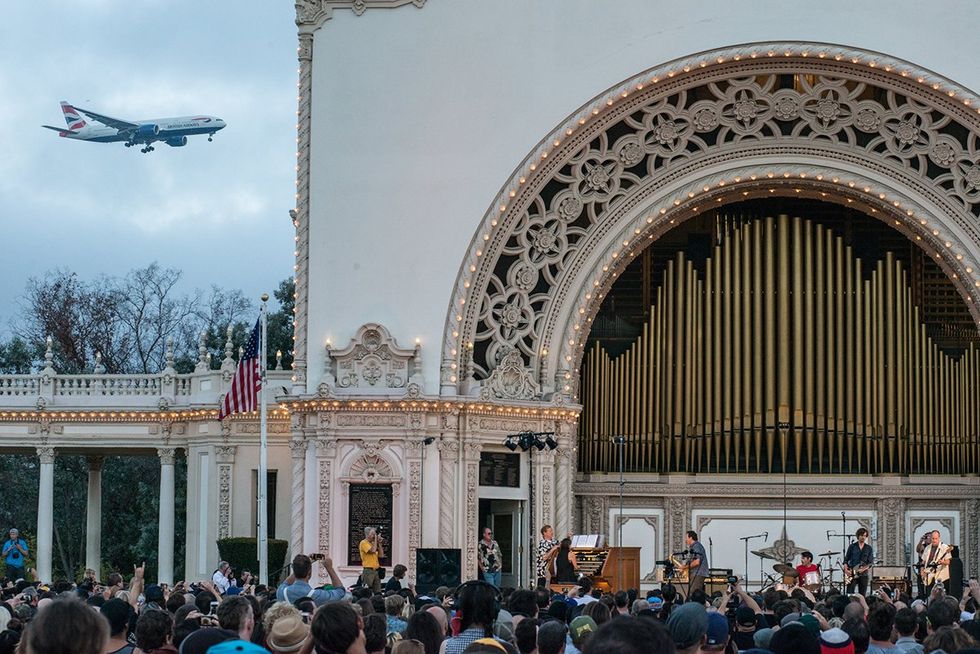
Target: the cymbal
(761, 554)
(828, 553)
(785, 569)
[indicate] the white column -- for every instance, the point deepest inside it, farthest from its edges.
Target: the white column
(165, 544)
(45, 513)
(298, 450)
(93, 516)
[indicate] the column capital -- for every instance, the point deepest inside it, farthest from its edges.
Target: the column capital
(225, 453)
(168, 455)
(297, 448)
(46, 454)
(95, 462)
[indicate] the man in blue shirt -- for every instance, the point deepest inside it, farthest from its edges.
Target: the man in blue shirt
(297, 585)
(697, 562)
(858, 560)
(14, 553)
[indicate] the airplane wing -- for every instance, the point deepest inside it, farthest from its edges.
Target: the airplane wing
(61, 129)
(121, 125)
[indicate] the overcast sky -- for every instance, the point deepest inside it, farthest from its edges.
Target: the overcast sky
(218, 211)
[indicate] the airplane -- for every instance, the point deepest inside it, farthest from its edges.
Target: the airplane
(172, 131)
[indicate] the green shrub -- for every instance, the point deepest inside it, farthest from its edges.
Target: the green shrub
(242, 553)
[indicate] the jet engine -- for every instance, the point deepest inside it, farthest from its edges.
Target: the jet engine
(147, 131)
(177, 141)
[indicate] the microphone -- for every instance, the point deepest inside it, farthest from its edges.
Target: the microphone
(766, 536)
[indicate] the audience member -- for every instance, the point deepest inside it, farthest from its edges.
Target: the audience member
(66, 626)
(235, 614)
(393, 610)
(154, 632)
(297, 584)
(551, 637)
(375, 633)
(631, 636)
(337, 629)
(424, 627)
(948, 639)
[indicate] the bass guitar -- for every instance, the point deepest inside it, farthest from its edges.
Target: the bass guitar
(931, 572)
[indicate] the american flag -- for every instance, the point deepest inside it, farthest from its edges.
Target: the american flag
(243, 396)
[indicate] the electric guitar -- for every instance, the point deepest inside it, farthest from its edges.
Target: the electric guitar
(855, 572)
(930, 572)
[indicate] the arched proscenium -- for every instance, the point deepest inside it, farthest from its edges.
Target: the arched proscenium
(639, 159)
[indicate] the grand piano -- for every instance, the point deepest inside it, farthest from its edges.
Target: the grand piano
(605, 566)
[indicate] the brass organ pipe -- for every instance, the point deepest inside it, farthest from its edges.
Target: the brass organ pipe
(808, 362)
(717, 366)
(830, 284)
(698, 371)
(782, 300)
(727, 425)
(658, 394)
(770, 337)
(901, 372)
(849, 366)
(746, 382)
(841, 380)
(680, 312)
(820, 328)
(691, 375)
(891, 365)
(737, 297)
(758, 410)
(798, 323)
(709, 365)
(878, 363)
(668, 388)
(862, 444)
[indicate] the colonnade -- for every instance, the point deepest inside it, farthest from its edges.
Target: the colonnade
(93, 517)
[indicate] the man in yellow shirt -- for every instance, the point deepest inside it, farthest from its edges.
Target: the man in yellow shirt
(371, 553)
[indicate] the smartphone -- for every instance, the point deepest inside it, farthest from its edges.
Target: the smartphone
(214, 607)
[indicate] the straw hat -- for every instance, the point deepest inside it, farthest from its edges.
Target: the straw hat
(288, 635)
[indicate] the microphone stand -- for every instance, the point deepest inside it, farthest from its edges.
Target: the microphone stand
(745, 540)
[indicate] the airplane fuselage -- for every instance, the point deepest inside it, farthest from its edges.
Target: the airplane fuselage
(168, 128)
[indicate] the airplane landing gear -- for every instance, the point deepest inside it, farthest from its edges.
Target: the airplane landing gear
(128, 145)
(148, 148)
(210, 137)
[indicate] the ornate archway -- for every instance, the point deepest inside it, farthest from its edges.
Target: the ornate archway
(838, 123)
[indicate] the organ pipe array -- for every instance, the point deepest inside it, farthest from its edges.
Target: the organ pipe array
(783, 354)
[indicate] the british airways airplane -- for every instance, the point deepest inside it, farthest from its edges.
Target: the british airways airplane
(172, 131)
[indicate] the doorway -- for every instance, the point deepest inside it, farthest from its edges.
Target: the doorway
(505, 519)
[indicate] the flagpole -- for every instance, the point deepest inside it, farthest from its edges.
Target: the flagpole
(263, 536)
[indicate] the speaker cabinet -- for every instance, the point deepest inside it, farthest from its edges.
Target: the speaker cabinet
(436, 567)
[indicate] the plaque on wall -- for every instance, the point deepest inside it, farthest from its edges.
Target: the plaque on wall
(500, 469)
(370, 506)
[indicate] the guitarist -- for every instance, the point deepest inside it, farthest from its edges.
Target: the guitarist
(857, 563)
(935, 563)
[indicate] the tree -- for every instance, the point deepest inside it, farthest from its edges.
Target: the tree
(280, 324)
(15, 357)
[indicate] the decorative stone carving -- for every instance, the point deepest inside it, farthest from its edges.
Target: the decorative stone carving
(891, 528)
(297, 449)
(224, 500)
(225, 453)
(371, 420)
(168, 455)
(510, 380)
(414, 510)
(647, 143)
(370, 468)
(371, 363)
(311, 14)
(783, 548)
(472, 502)
(325, 489)
(678, 519)
(45, 454)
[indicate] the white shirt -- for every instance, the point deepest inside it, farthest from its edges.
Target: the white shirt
(221, 582)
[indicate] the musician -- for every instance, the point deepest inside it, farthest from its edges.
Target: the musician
(935, 560)
(806, 566)
(857, 563)
(696, 562)
(547, 549)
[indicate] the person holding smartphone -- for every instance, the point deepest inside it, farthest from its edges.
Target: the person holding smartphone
(15, 552)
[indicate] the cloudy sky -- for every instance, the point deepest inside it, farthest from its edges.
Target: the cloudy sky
(218, 211)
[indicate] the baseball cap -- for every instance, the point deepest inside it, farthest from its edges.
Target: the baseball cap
(687, 624)
(236, 646)
(655, 602)
(153, 593)
(717, 631)
(581, 628)
(745, 616)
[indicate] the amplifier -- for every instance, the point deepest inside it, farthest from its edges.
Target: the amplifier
(715, 584)
(900, 585)
(892, 571)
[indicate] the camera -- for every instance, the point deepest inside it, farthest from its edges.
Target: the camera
(732, 580)
(214, 607)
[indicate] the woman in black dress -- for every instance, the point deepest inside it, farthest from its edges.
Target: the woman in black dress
(565, 563)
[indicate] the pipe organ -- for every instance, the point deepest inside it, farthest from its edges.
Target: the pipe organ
(785, 353)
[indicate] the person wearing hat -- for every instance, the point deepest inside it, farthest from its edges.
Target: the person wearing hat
(237, 647)
(288, 635)
(746, 624)
(579, 632)
(688, 624)
(716, 636)
(836, 641)
(14, 553)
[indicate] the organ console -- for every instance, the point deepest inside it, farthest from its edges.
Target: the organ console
(604, 566)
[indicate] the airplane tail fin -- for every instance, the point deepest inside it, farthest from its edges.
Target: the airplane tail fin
(72, 116)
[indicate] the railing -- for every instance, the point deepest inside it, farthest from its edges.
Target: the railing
(166, 389)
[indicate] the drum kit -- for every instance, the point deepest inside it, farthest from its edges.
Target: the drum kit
(787, 577)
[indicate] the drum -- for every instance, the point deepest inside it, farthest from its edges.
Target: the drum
(811, 581)
(788, 581)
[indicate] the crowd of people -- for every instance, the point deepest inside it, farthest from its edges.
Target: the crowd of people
(233, 613)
